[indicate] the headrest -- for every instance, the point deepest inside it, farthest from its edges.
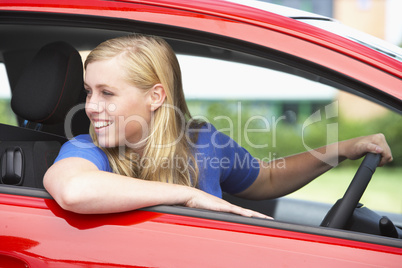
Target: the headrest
(50, 85)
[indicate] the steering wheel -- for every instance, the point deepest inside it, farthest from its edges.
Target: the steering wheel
(342, 210)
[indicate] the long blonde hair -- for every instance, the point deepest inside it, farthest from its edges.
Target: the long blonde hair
(167, 155)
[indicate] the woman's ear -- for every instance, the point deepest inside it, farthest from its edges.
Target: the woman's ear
(158, 96)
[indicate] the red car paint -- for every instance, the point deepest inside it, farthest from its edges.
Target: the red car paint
(148, 239)
(247, 24)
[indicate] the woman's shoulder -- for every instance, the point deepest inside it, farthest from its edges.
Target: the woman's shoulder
(86, 138)
(202, 127)
(83, 141)
(208, 136)
(202, 130)
(82, 146)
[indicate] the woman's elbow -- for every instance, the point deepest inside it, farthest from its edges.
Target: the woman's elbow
(68, 200)
(63, 192)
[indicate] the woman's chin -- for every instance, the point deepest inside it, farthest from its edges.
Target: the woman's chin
(106, 142)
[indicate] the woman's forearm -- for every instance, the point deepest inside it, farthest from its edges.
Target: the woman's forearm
(79, 186)
(104, 192)
(286, 175)
(298, 170)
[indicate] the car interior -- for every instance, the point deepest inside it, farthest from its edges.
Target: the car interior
(48, 87)
(46, 79)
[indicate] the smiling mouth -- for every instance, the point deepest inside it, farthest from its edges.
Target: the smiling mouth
(102, 124)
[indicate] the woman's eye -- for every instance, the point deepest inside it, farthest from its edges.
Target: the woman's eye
(107, 93)
(87, 91)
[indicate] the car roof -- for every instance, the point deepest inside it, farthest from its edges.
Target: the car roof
(250, 11)
(328, 24)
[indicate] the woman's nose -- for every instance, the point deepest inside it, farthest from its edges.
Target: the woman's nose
(95, 106)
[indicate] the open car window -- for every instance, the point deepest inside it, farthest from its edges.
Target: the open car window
(275, 110)
(6, 114)
(274, 114)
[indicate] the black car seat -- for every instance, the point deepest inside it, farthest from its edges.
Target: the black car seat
(49, 99)
(49, 87)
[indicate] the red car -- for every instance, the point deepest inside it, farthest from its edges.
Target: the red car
(280, 46)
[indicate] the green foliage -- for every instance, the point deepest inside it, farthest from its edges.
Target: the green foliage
(267, 134)
(390, 125)
(383, 193)
(6, 114)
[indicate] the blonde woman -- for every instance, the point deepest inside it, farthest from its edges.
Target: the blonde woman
(144, 149)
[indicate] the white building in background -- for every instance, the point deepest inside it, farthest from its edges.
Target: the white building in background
(393, 22)
(381, 18)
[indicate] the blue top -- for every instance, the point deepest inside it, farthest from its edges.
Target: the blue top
(223, 164)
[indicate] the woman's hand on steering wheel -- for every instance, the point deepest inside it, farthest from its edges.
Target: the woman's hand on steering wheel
(356, 148)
